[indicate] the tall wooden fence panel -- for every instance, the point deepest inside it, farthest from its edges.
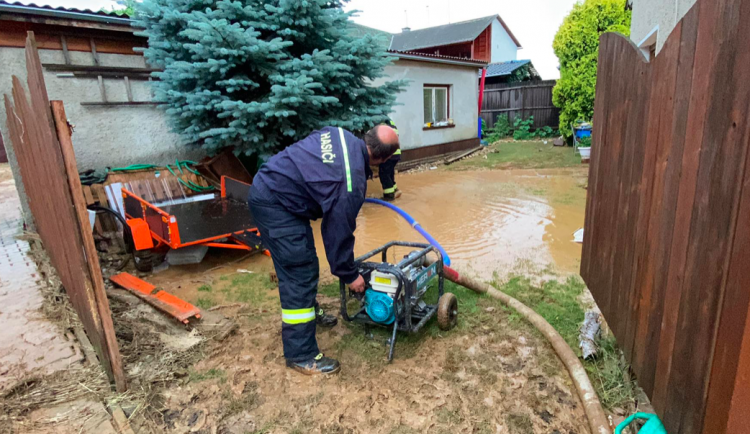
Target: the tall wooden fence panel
(50, 177)
(3, 154)
(520, 100)
(667, 234)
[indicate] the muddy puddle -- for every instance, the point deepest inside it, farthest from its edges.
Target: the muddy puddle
(487, 221)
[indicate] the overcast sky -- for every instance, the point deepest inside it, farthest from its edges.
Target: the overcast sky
(533, 22)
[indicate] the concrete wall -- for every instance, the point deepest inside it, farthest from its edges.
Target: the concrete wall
(503, 47)
(648, 14)
(409, 113)
(112, 136)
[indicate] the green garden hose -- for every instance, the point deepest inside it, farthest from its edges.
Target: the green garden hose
(179, 163)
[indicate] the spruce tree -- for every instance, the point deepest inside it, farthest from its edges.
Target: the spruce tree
(260, 75)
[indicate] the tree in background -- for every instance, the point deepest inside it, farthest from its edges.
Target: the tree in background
(125, 7)
(576, 45)
(260, 75)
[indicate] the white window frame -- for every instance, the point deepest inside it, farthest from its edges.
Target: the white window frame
(649, 42)
(432, 87)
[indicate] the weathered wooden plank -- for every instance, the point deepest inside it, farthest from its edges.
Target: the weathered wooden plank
(719, 177)
(699, 93)
(42, 169)
(653, 227)
(730, 372)
(92, 258)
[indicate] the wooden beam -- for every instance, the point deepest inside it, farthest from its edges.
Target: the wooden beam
(64, 43)
(97, 69)
(102, 89)
(93, 51)
(116, 103)
(92, 257)
(128, 89)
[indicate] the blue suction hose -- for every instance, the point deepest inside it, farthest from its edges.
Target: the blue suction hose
(415, 225)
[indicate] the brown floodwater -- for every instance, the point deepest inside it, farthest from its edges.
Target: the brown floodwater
(487, 221)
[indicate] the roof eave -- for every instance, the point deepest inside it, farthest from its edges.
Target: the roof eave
(71, 15)
(507, 29)
(472, 64)
(435, 46)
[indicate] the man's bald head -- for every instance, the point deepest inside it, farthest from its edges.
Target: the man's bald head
(382, 142)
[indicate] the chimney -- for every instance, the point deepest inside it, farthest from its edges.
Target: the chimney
(406, 29)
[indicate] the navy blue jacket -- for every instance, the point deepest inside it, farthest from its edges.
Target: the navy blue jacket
(316, 178)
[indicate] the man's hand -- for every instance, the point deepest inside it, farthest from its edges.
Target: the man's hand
(358, 285)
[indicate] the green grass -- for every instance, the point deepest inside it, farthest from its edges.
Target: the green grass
(522, 155)
(251, 288)
(195, 376)
(558, 303)
(473, 313)
(204, 288)
(205, 302)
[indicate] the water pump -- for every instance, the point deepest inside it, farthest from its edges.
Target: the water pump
(395, 293)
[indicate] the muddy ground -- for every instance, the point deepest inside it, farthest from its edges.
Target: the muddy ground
(493, 374)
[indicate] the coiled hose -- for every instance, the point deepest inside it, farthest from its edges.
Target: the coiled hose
(598, 422)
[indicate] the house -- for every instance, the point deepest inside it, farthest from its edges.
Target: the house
(511, 71)
(488, 39)
(90, 63)
(437, 113)
(653, 21)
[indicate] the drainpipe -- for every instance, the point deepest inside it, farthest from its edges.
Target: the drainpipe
(481, 96)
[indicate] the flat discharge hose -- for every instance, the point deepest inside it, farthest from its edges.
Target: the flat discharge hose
(598, 422)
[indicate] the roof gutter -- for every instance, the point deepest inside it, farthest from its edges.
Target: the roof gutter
(82, 16)
(438, 60)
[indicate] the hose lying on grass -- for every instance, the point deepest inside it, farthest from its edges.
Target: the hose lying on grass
(598, 422)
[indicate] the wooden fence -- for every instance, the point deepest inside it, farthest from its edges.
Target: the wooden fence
(667, 232)
(40, 136)
(522, 100)
(3, 155)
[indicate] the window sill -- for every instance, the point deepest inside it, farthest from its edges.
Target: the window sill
(438, 128)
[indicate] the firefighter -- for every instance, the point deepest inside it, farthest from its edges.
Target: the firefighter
(387, 172)
(322, 176)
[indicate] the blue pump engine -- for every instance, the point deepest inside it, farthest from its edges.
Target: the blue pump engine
(380, 307)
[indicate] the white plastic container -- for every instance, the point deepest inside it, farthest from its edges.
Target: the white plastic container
(384, 282)
(585, 153)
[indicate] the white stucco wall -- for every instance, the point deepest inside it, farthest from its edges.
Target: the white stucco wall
(503, 47)
(648, 14)
(112, 136)
(409, 113)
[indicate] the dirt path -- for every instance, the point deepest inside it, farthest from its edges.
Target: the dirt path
(492, 374)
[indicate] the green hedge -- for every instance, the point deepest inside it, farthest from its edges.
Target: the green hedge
(576, 45)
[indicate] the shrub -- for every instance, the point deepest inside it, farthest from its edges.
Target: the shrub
(576, 46)
(522, 128)
(500, 130)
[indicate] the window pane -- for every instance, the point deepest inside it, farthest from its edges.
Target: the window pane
(427, 105)
(441, 104)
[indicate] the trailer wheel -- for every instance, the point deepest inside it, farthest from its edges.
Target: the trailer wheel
(146, 260)
(447, 314)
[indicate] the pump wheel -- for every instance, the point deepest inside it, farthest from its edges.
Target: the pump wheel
(447, 314)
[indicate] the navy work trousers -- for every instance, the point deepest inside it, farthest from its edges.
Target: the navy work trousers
(290, 240)
(387, 175)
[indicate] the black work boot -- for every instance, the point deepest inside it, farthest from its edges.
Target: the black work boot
(319, 364)
(324, 320)
(389, 197)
